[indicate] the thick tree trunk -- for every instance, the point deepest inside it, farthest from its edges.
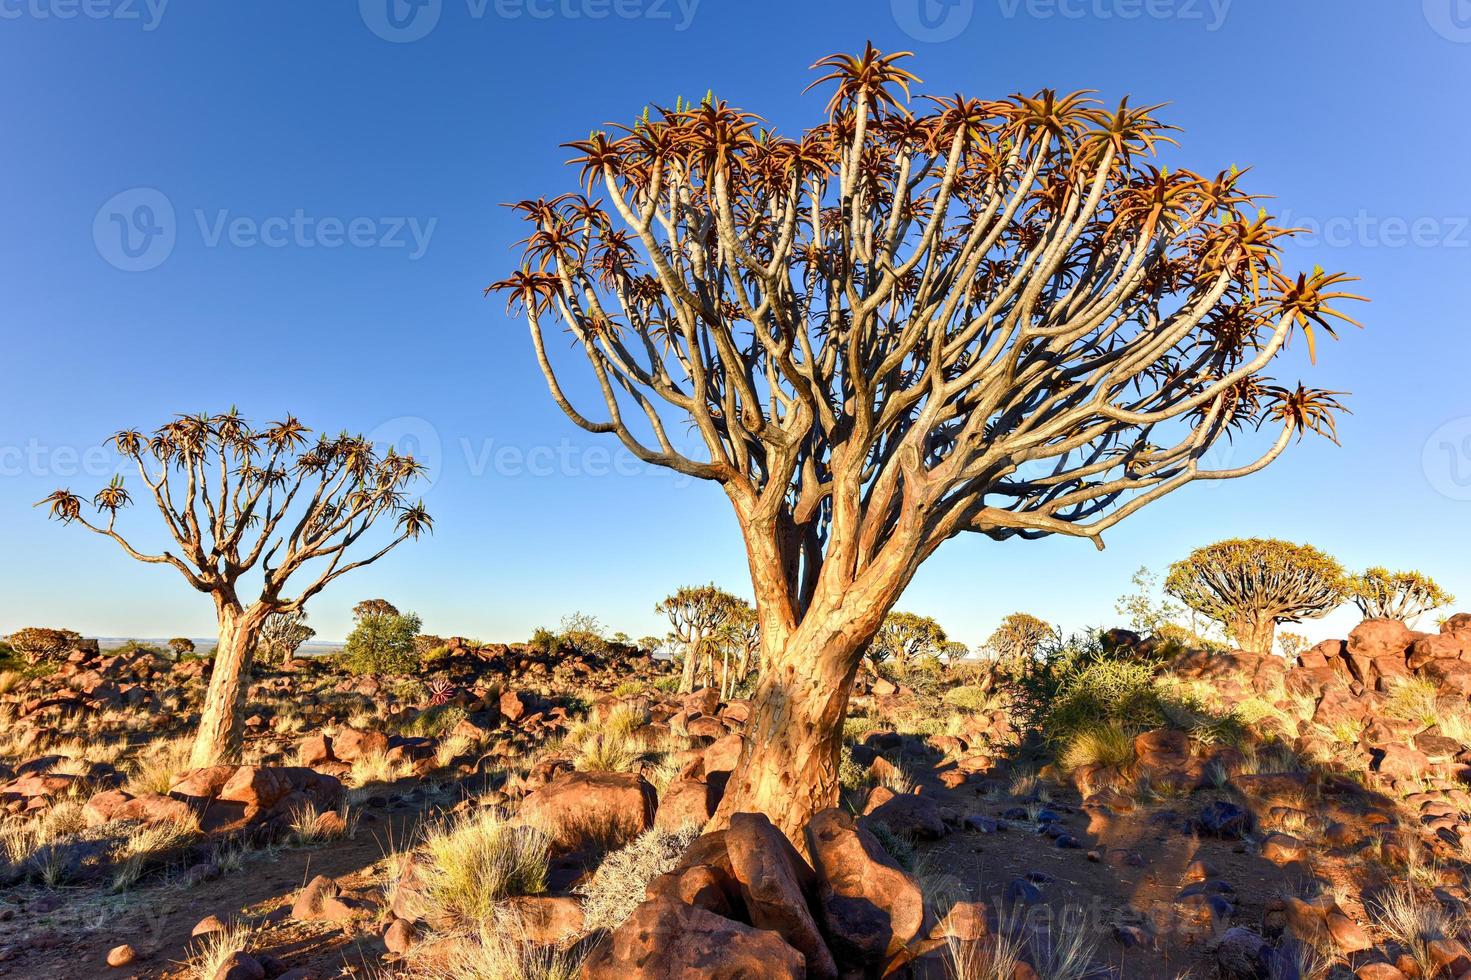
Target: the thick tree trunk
(218, 739)
(789, 762)
(691, 662)
(1254, 632)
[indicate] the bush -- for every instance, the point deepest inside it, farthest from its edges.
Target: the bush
(382, 643)
(969, 698)
(619, 883)
(1105, 692)
(475, 860)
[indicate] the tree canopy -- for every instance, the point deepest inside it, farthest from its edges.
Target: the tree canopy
(1380, 593)
(1250, 585)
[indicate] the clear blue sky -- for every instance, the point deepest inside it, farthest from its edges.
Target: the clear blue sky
(1352, 111)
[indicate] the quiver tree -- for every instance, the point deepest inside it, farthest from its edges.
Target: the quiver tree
(916, 319)
(373, 607)
(284, 633)
(182, 646)
(268, 502)
(38, 643)
(741, 632)
(1019, 637)
(697, 613)
(1406, 596)
(1250, 585)
(903, 637)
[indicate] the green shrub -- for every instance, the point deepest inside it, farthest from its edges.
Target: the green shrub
(969, 697)
(1104, 692)
(382, 643)
(433, 722)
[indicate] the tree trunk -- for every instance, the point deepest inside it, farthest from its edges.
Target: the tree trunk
(1254, 632)
(218, 739)
(687, 673)
(789, 760)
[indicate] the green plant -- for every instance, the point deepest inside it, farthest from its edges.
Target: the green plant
(476, 859)
(1109, 745)
(382, 643)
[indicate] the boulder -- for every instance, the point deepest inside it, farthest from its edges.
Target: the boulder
(351, 744)
(776, 885)
(576, 808)
(904, 814)
(666, 940)
(870, 908)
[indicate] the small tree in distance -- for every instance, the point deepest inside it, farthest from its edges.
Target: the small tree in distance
(697, 613)
(373, 607)
(382, 643)
(1020, 636)
(236, 500)
(906, 636)
(918, 318)
(1292, 644)
(285, 632)
(1406, 596)
(182, 646)
(1251, 585)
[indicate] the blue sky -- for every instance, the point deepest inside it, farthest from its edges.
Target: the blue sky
(334, 176)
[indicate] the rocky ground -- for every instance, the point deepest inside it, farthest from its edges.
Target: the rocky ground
(519, 813)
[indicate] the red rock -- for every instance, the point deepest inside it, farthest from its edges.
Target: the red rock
(1380, 638)
(120, 956)
(267, 786)
(581, 807)
(723, 754)
(315, 750)
(776, 884)
(686, 802)
(544, 919)
(870, 908)
(351, 744)
(203, 784)
(663, 940)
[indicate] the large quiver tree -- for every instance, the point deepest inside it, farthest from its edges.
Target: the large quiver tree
(1251, 585)
(987, 316)
(1406, 596)
(268, 503)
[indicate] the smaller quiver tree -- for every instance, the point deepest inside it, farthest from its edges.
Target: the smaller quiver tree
(267, 503)
(1406, 596)
(1250, 585)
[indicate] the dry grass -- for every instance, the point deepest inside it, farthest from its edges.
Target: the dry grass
(215, 948)
(474, 860)
(149, 844)
(1106, 745)
(617, 887)
(154, 769)
(1414, 922)
(992, 958)
(10, 680)
(310, 826)
(493, 955)
(377, 767)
